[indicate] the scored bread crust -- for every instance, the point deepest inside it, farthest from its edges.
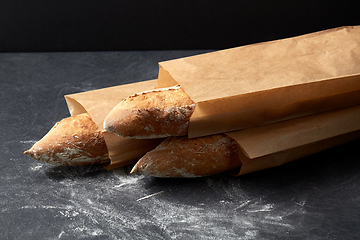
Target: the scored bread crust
(156, 113)
(196, 157)
(72, 141)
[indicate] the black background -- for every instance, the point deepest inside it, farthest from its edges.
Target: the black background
(115, 25)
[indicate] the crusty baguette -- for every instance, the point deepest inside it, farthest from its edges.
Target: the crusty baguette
(156, 113)
(184, 157)
(72, 141)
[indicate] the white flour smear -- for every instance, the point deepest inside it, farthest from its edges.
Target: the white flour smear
(107, 207)
(29, 141)
(244, 222)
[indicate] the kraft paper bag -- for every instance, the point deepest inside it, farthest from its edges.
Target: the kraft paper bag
(278, 143)
(259, 147)
(269, 82)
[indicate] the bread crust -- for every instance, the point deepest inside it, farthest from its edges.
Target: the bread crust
(184, 157)
(156, 113)
(72, 141)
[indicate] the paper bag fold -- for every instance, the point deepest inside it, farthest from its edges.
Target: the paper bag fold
(98, 103)
(269, 82)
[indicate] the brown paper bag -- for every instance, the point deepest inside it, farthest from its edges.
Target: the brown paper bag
(278, 143)
(269, 82)
(260, 147)
(98, 103)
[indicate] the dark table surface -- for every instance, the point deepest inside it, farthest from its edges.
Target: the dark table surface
(316, 197)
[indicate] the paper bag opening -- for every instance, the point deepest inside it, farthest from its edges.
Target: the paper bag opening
(98, 103)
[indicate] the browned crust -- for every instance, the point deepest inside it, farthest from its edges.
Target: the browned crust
(184, 157)
(157, 113)
(72, 141)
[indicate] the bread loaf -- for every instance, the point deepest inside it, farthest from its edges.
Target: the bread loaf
(184, 157)
(157, 113)
(72, 141)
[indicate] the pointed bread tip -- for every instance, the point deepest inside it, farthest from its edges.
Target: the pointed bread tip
(27, 152)
(108, 126)
(134, 169)
(105, 125)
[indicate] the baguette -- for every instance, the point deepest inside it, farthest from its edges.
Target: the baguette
(72, 141)
(157, 113)
(183, 157)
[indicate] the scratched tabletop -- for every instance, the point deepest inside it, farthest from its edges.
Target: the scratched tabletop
(317, 197)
